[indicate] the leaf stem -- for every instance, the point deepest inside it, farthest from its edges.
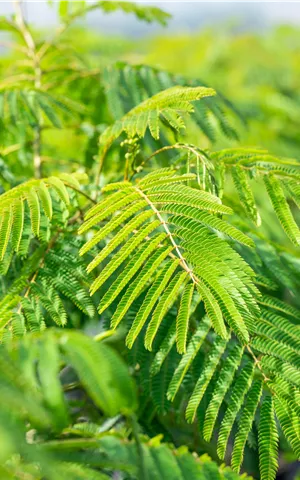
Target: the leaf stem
(81, 193)
(102, 156)
(257, 363)
(176, 146)
(165, 226)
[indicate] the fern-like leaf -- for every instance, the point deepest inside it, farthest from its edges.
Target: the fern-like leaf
(170, 104)
(281, 178)
(204, 378)
(268, 441)
(226, 375)
(37, 195)
(282, 209)
(245, 424)
(183, 318)
(238, 393)
(214, 270)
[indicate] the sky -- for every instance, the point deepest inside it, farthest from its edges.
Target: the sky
(187, 16)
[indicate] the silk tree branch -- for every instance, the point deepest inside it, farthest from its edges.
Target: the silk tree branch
(32, 54)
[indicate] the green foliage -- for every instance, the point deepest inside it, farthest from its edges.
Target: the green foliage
(149, 14)
(280, 177)
(156, 242)
(169, 238)
(268, 440)
(18, 218)
(126, 85)
(36, 396)
(22, 106)
(49, 281)
(167, 106)
(261, 71)
(80, 450)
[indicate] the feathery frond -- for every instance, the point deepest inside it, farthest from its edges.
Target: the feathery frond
(22, 105)
(164, 245)
(268, 440)
(212, 325)
(25, 205)
(167, 106)
(237, 380)
(138, 82)
(149, 14)
(49, 281)
(281, 178)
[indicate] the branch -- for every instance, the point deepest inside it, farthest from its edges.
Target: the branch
(62, 28)
(32, 54)
(81, 193)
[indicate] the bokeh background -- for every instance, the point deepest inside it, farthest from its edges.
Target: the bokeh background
(248, 51)
(187, 16)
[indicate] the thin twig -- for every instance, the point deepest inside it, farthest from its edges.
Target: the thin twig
(81, 193)
(102, 156)
(176, 146)
(32, 54)
(257, 363)
(63, 27)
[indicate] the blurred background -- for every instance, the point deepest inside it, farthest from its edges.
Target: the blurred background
(248, 51)
(187, 16)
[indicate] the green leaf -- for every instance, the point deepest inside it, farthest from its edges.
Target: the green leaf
(34, 208)
(206, 374)
(225, 378)
(102, 373)
(168, 102)
(237, 395)
(245, 424)
(282, 208)
(193, 348)
(166, 301)
(267, 441)
(182, 320)
(245, 193)
(48, 369)
(152, 296)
